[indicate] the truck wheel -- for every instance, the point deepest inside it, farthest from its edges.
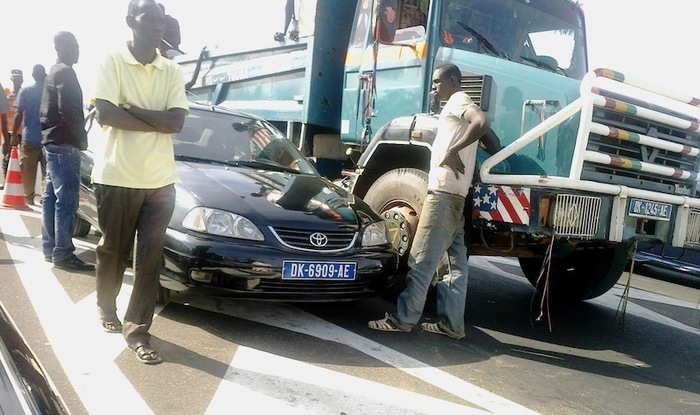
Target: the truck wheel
(81, 227)
(398, 197)
(581, 275)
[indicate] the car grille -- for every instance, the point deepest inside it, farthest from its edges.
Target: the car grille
(317, 287)
(302, 239)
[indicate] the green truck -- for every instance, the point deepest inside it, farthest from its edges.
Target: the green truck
(592, 161)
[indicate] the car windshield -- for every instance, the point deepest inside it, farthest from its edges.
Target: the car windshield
(211, 136)
(544, 34)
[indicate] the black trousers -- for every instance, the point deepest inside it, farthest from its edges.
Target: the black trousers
(125, 213)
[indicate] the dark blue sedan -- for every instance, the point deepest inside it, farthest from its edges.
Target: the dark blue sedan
(254, 219)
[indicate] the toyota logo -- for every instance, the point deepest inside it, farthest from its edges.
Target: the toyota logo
(318, 239)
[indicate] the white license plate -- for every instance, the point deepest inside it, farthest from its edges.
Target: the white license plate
(306, 270)
(650, 210)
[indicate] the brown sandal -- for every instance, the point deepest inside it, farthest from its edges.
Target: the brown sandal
(111, 326)
(147, 355)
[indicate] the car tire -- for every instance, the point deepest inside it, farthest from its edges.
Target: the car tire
(81, 227)
(162, 295)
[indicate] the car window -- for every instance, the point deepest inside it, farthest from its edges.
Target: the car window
(223, 137)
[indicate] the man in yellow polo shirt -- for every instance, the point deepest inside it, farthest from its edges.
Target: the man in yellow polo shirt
(140, 101)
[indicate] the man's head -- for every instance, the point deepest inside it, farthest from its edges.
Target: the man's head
(147, 22)
(39, 73)
(16, 78)
(67, 49)
(446, 80)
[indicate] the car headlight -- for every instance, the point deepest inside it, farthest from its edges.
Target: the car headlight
(219, 222)
(374, 234)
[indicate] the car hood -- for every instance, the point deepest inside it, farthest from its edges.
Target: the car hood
(269, 197)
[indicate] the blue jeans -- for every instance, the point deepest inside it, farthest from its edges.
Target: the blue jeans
(437, 246)
(60, 200)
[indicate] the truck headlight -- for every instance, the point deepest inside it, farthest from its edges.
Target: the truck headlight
(220, 222)
(374, 234)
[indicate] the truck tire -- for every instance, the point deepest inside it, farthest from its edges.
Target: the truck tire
(398, 197)
(581, 275)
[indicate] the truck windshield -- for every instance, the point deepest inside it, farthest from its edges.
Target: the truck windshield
(545, 34)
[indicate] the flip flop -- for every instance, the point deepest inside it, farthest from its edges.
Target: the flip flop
(147, 355)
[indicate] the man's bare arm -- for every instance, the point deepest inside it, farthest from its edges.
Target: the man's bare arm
(169, 121)
(138, 119)
(490, 142)
(19, 116)
(3, 122)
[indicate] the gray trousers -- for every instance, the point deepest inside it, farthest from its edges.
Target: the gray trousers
(123, 214)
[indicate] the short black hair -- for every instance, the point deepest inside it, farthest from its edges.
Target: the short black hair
(63, 38)
(136, 5)
(451, 70)
(38, 70)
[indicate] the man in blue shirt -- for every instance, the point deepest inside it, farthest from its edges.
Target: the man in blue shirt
(28, 107)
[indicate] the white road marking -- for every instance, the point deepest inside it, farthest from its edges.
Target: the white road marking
(86, 353)
(293, 319)
(295, 387)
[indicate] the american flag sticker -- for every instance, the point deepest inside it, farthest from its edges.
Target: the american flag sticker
(262, 138)
(502, 204)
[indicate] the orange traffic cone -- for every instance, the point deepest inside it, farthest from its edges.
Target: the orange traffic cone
(13, 196)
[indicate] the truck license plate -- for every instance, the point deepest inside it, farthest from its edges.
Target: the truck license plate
(648, 209)
(304, 270)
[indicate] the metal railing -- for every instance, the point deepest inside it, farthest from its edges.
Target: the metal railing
(612, 91)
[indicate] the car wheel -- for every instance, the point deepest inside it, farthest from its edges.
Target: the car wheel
(81, 227)
(162, 295)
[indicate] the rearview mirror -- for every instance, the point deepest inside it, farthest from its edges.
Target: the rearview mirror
(387, 16)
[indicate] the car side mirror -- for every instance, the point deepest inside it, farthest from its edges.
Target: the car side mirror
(387, 16)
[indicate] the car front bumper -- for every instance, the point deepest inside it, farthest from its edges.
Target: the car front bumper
(224, 267)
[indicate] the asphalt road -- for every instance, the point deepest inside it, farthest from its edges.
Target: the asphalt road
(604, 356)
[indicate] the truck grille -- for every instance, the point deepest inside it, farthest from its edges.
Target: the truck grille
(576, 215)
(630, 153)
(302, 239)
(478, 87)
(692, 234)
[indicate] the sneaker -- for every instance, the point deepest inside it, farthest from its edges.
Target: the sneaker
(279, 36)
(439, 328)
(294, 35)
(386, 324)
(73, 263)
